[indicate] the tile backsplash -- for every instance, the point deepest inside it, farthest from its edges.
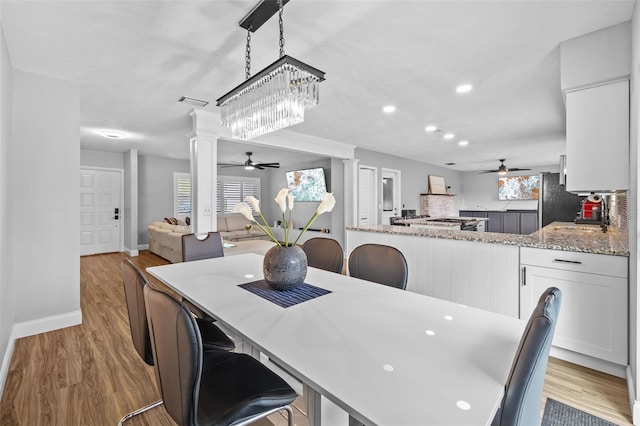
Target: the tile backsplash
(618, 213)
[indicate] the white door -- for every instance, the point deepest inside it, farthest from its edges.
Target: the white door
(390, 195)
(367, 196)
(100, 211)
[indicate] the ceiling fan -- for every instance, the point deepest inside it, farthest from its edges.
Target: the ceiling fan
(250, 164)
(503, 169)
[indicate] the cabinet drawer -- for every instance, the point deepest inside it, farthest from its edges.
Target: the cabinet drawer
(615, 266)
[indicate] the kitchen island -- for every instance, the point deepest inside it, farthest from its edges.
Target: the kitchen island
(505, 273)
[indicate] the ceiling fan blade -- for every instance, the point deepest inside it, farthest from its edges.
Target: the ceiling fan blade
(274, 165)
(258, 166)
(489, 171)
(229, 165)
(518, 170)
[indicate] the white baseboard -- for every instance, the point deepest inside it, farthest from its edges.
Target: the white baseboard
(132, 253)
(6, 361)
(633, 403)
(143, 247)
(42, 325)
(589, 362)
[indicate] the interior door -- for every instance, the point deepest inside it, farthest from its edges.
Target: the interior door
(366, 196)
(100, 211)
(390, 195)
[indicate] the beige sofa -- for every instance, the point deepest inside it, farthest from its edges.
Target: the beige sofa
(165, 240)
(232, 228)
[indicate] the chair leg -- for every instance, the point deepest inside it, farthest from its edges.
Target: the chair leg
(268, 413)
(289, 414)
(139, 411)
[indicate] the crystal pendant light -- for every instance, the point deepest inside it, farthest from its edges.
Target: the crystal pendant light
(274, 98)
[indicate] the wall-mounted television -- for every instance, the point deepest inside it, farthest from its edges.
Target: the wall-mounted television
(307, 185)
(519, 187)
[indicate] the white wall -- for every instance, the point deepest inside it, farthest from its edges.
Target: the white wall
(92, 158)
(45, 155)
(480, 191)
(6, 219)
(155, 190)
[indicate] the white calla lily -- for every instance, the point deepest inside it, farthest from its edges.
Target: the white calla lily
(290, 199)
(243, 209)
(281, 199)
(327, 203)
(285, 201)
(255, 203)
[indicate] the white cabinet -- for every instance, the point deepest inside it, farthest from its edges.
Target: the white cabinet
(593, 315)
(598, 138)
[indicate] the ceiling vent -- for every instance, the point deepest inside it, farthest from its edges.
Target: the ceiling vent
(194, 102)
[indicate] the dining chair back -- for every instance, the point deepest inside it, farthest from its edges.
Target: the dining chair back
(197, 247)
(207, 387)
(134, 283)
(523, 390)
(324, 253)
(379, 264)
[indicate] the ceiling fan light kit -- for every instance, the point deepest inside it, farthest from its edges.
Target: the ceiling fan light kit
(503, 170)
(249, 164)
(275, 97)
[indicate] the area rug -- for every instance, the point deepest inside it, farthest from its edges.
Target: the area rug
(559, 414)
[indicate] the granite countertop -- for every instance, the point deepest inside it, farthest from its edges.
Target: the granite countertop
(556, 236)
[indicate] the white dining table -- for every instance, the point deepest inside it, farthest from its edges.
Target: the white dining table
(383, 355)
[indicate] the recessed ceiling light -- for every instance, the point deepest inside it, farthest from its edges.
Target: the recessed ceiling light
(464, 88)
(449, 136)
(389, 109)
(112, 134)
(431, 128)
(463, 143)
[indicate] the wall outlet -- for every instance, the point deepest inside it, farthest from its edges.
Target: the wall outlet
(206, 211)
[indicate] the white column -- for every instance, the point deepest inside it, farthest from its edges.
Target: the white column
(203, 142)
(350, 192)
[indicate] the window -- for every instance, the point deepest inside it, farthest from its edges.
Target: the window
(234, 189)
(181, 195)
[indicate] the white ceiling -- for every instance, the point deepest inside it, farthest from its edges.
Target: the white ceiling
(134, 59)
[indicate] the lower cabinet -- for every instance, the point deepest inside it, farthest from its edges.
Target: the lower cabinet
(508, 222)
(593, 314)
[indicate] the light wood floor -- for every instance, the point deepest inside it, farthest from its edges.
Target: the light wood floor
(91, 375)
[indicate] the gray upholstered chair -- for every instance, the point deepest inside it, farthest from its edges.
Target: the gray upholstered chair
(523, 390)
(324, 253)
(196, 247)
(203, 388)
(134, 283)
(379, 264)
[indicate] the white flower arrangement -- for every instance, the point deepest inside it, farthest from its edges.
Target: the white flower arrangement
(285, 201)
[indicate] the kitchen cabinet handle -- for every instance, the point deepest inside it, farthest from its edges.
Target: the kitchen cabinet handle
(575, 262)
(524, 276)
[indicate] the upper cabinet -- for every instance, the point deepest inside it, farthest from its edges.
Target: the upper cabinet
(595, 70)
(598, 138)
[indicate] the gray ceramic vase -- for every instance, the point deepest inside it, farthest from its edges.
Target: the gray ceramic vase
(284, 268)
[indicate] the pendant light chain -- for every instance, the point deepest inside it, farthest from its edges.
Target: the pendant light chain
(247, 56)
(281, 28)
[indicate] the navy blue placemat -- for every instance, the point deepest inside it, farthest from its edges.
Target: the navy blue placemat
(285, 298)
